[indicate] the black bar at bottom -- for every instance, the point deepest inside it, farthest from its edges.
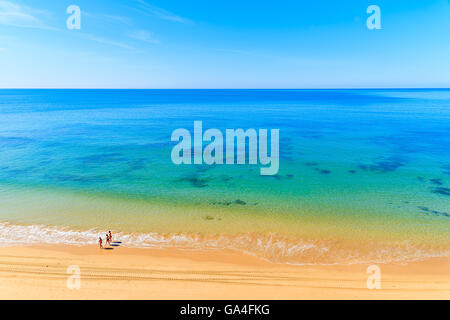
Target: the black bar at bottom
(237, 309)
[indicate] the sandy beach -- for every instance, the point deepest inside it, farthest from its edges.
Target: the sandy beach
(125, 273)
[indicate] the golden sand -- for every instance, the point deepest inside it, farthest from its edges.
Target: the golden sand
(124, 273)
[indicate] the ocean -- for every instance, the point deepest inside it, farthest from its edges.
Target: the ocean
(364, 175)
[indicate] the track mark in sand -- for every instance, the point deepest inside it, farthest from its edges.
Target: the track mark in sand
(56, 271)
(118, 272)
(19, 268)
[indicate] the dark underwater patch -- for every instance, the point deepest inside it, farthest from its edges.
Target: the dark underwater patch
(385, 165)
(352, 171)
(195, 181)
(228, 203)
(436, 181)
(434, 212)
(441, 190)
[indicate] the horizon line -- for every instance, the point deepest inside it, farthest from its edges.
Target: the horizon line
(330, 88)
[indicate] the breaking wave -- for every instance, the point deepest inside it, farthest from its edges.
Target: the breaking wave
(271, 247)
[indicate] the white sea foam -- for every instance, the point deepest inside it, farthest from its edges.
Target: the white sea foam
(271, 247)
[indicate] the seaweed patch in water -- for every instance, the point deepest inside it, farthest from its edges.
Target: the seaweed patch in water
(385, 165)
(227, 203)
(441, 190)
(195, 181)
(352, 171)
(221, 203)
(322, 171)
(434, 212)
(436, 181)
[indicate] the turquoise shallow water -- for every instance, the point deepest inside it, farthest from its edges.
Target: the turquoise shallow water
(364, 164)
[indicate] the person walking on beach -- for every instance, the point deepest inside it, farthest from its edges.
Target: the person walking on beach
(108, 240)
(100, 241)
(110, 236)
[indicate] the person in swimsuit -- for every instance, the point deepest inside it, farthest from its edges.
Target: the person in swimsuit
(100, 241)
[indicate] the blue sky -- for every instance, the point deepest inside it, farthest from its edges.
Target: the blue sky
(224, 44)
